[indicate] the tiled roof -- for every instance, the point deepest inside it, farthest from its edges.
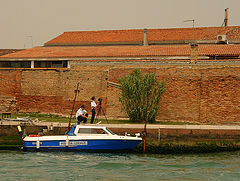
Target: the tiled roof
(201, 33)
(136, 36)
(124, 51)
(7, 51)
(85, 37)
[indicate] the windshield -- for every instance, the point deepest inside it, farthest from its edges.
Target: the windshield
(110, 131)
(91, 131)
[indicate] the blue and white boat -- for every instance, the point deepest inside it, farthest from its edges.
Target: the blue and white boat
(82, 138)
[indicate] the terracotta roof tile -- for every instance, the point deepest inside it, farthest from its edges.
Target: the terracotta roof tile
(154, 35)
(79, 37)
(124, 51)
(222, 50)
(7, 51)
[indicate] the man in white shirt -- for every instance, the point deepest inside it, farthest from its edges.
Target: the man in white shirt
(93, 107)
(81, 115)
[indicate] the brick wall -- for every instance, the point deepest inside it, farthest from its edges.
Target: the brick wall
(199, 94)
(9, 89)
(193, 93)
(52, 91)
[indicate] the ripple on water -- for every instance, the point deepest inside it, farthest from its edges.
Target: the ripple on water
(15, 165)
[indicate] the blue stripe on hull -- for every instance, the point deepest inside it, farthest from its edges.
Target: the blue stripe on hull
(83, 145)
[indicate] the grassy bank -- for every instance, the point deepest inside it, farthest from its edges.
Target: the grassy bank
(61, 119)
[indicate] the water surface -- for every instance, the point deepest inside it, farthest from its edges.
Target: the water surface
(17, 165)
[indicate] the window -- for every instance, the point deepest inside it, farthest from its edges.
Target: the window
(50, 64)
(58, 64)
(42, 64)
(37, 64)
(15, 64)
(91, 131)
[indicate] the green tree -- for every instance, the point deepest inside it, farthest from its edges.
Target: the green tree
(140, 96)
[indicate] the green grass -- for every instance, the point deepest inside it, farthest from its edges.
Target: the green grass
(56, 118)
(42, 117)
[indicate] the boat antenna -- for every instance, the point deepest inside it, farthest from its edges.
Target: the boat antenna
(75, 96)
(99, 123)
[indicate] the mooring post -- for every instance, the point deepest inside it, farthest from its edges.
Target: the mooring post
(144, 143)
(144, 136)
(75, 96)
(159, 135)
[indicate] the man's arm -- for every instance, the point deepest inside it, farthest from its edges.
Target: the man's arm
(83, 115)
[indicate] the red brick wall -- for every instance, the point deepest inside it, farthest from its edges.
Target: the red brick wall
(197, 94)
(210, 94)
(9, 89)
(52, 91)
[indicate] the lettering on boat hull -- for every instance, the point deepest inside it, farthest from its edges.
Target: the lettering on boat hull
(73, 143)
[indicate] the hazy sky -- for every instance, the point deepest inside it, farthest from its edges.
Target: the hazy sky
(25, 21)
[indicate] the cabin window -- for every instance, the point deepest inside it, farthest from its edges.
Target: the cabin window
(91, 131)
(15, 64)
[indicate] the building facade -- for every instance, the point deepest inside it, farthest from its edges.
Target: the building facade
(201, 67)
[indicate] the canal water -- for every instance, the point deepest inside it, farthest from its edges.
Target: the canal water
(17, 165)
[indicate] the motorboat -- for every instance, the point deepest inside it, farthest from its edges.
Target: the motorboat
(83, 138)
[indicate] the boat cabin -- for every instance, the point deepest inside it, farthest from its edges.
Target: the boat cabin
(78, 130)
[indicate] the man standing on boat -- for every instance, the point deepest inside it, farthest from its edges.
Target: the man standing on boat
(81, 115)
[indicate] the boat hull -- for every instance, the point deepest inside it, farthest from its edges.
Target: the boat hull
(81, 145)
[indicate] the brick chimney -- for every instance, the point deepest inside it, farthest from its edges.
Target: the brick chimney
(145, 39)
(226, 17)
(194, 53)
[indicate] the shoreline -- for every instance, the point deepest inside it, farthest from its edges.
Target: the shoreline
(161, 139)
(165, 148)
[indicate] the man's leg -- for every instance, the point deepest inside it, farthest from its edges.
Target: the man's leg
(85, 119)
(80, 119)
(93, 115)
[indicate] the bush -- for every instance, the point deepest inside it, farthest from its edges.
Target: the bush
(140, 96)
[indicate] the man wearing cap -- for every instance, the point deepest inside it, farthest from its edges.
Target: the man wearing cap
(81, 115)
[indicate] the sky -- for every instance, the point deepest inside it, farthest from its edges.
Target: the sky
(27, 23)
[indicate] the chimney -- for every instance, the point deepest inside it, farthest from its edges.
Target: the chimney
(194, 53)
(145, 39)
(226, 17)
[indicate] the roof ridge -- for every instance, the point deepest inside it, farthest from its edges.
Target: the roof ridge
(133, 29)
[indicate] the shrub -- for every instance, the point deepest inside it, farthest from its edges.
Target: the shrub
(140, 96)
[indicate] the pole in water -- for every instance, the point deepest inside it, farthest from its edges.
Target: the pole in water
(144, 143)
(144, 136)
(75, 96)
